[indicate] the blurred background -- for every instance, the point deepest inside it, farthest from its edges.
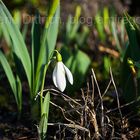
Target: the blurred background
(91, 6)
(97, 39)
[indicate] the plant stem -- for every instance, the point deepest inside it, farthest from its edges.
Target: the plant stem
(42, 86)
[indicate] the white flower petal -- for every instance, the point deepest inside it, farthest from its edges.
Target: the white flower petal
(54, 76)
(60, 77)
(68, 74)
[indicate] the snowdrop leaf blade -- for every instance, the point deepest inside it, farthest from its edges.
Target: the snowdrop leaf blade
(69, 75)
(14, 83)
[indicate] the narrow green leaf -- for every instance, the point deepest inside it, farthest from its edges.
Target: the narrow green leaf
(42, 129)
(19, 92)
(107, 63)
(100, 26)
(75, 24)
(44, 117)
(129, 84)
(115, 35)
(9, 74)
(133, 35)
(24, 31)
(68, 26)
(36, 36)
(19, 46)
(52, 33)
(122, 31)
(5, 34)
(47, 46)
(46, 102)
(52, 11)
(106, 17)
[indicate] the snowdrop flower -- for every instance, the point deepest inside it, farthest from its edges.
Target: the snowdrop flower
(60, 72)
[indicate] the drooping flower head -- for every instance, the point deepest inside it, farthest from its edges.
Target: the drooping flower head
(60, 73)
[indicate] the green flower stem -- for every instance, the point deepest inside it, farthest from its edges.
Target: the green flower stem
(42, 86)
(59, 59)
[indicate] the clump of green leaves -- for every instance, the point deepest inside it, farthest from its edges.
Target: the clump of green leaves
(74, 39)
(34, 66)
(43, 44)
(130, 67)
(107, 24)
